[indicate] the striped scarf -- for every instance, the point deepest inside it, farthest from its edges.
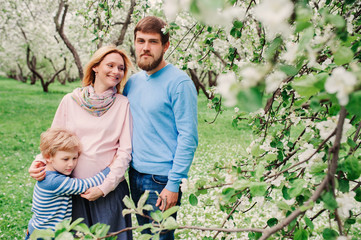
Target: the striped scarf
(95, 104)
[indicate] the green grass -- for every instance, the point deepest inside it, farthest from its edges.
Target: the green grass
(26, 111)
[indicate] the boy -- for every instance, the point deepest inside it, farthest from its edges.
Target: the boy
(52, 202)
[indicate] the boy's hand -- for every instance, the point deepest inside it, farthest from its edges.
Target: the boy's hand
(92, 194)
(36, 170)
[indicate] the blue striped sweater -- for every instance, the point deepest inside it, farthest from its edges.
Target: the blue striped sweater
(52, 202)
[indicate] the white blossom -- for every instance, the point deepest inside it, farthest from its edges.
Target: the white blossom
(251, 76)
(291, 52)
(346, 202)
(227, 87)
(236, 109)
(342, 83)
(274, 80)
(328, 126)
(273, 14)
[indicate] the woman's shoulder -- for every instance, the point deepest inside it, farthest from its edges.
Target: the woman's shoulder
(121, 98)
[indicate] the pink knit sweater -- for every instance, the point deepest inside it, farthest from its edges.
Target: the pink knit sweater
(102, 138)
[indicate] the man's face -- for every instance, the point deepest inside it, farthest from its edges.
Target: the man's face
(149, 50)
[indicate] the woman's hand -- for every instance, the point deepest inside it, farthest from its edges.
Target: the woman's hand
(36, 170)
(92, 194)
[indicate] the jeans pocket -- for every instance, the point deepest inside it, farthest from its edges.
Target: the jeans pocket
(162, 180)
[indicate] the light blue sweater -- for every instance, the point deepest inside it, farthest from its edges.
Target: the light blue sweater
(52, 202)
(164, 111)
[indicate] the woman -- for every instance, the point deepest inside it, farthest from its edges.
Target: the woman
(100, 117)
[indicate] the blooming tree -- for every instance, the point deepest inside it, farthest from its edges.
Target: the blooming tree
(292, 71)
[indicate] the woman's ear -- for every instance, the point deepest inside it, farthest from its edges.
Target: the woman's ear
(95, 69)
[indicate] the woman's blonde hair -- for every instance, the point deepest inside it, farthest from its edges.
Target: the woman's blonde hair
(57, 139)
(98, 56)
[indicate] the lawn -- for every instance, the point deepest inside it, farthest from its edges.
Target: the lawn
(26, 111)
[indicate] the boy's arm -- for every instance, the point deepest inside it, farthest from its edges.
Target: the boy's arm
(77, 186)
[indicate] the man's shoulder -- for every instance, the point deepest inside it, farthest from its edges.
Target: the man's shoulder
(177, 75)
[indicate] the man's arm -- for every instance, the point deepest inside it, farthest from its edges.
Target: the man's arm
(184, 104)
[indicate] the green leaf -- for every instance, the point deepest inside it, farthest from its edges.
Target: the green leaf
(128, 202)
(289, 70)
(306, 37)
(336, 20)
(76, 222)
(358, 195)
(318, 167)
(157, 215)
(47, 234)
(353, 106)
(194, 7)
(343, 55)
(272, 221)
(128, 211)
(283, 206)
(193, 200)
(309, 223)
(301, 234)
(238, 24)
(258, 189)
(145, 237)
(65, 236)
(170, 223)
(82, 227)
(260, 170)
(329, 201)
(250, 99)
(170, 211)
(352, 167)
(351, 143)
(145, 226)
(273, 48)
(302, 25)
(297, 188)
(305, 85)
(343, 185)
(143, 199)
(329, 234)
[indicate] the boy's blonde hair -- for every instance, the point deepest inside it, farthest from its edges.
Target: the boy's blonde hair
(56, 139)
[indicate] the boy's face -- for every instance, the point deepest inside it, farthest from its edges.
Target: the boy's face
(63, 161)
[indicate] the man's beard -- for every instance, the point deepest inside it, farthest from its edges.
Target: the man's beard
(151, 65)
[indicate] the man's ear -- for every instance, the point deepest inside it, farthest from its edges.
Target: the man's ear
(166, 46)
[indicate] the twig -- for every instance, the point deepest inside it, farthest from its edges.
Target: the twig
(299, 163)
(330, 175)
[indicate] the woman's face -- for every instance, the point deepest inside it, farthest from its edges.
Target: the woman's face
(109, 72)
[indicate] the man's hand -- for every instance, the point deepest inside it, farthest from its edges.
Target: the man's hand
(92, 194)
(170, 198)
(36, 170)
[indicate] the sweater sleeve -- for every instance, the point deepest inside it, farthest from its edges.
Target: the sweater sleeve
(184, 106)
(69, 185)
(123, 155)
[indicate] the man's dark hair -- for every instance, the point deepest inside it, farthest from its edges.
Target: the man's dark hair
(152, 24)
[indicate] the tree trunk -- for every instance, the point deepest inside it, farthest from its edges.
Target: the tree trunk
(120, 39)
(60, 30)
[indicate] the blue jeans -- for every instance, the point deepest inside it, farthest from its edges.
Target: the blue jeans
(139, 182)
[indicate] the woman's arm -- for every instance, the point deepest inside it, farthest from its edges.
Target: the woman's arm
(123, 155)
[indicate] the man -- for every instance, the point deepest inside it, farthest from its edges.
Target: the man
(163, 103)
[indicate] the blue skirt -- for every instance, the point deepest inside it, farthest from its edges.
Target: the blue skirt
(107, 210)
